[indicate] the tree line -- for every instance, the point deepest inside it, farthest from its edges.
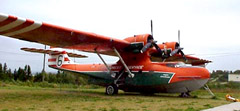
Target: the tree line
(25, 74)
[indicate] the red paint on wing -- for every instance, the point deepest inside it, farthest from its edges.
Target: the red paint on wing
(8, 20)
(25, 24)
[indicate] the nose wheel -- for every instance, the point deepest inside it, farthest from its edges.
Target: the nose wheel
(111, 89)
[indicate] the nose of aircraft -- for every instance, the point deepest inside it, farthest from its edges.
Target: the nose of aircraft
(204, 73)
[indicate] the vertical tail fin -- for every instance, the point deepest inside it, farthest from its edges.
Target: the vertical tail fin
(59, 59)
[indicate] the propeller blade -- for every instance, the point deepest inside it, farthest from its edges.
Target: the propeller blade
(175, 51)
(181, 52)
(178, 50)
(151, 28)
(158, 49)
(149, 42)
(148, 45)
(179, 37)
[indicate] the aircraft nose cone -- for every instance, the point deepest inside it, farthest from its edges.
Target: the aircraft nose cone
(204, 73)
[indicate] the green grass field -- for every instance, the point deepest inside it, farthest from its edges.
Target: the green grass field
(24, 98)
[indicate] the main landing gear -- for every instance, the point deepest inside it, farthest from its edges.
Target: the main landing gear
(111, 89)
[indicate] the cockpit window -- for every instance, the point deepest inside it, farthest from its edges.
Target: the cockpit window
(179, 64)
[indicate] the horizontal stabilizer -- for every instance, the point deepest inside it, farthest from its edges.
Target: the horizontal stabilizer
(52, 52)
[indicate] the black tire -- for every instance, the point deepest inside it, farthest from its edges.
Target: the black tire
(111, 89)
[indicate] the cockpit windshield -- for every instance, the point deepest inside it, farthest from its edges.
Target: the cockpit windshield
(178, 64)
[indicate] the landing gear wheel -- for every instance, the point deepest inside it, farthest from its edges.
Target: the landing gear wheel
(111, 89)
(185, 94)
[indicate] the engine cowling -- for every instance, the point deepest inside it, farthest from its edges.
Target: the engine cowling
(168, 49)
(168, 45)
(138, 42)
(143, 38)
(145, 43)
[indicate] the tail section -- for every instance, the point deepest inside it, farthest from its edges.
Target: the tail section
(57, 57)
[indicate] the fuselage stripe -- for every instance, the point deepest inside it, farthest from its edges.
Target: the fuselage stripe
(171, 78)
(52, 60)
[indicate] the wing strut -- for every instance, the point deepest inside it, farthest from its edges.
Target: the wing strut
(131, 75)
(109, 69)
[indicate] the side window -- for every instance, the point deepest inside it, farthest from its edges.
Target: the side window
(170, 65)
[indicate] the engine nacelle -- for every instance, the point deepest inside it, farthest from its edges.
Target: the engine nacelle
(166, 48)
(144, 38)
(137, 42)
(168, 45)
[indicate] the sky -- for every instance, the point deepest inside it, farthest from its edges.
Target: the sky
(210, 29)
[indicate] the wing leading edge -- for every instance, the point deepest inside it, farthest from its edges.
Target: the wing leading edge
(53, 35)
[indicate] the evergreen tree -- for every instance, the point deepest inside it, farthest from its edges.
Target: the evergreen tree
(37, 77)
(21, 75)
(237, 72)
(15, 74)
(9, 75)
(1, 72)
(4, 68)
(28, 73)
(4, 75)
(1, 68)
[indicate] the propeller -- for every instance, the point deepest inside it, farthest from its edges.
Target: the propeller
(179, 37)
(178, 49)
(151, 42)
(151, 28)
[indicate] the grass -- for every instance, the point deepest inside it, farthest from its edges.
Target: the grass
(25, 98)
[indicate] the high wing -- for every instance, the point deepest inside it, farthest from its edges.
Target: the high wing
(57, 36)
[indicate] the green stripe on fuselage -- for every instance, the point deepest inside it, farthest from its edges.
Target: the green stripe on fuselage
(140, 79)
(149, 79)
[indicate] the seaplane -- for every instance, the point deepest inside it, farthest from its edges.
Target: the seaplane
(143, 66)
